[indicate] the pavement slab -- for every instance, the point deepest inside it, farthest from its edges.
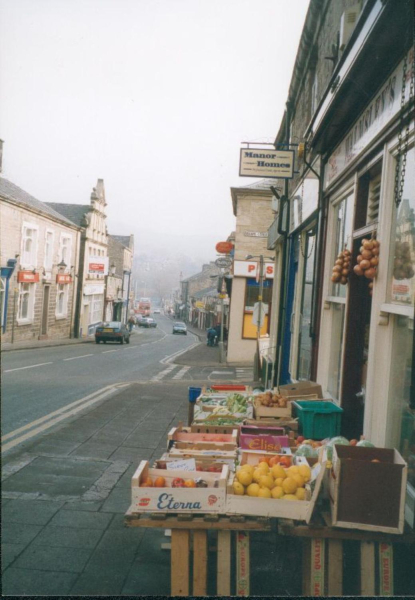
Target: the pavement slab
(25, 582)
(29, 512)
(68, 537)
(132, 454)
(80, 505)
(148, 579)
(94, 450)
(92, 583)
(117, 500)
(82, 519)
(52, 558)
(18, 533)
(9, 552)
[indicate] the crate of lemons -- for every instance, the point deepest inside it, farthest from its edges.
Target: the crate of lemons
(277, 482)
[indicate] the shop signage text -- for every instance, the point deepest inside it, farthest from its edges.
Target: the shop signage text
(242, 268)
(98, 264)
(371, 121)
(27, 277)
(277, 164)
(259, 234)
(62, 278)
(223, 261)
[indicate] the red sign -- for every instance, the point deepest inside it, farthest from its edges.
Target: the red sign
(96, 267)
(224, 247)
(27, 277)
(63, 278)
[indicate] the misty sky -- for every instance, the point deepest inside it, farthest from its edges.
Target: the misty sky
(153, 96)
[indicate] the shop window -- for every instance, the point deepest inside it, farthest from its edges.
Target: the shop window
(2, 299)
(97, 307)
(251, 298)
(401, 417)
(48, 250)
(62, 300)
(402, 260)
(26, 301)
(368, 197)
(336, 347)
(29, 246)
(343, 237)
(307, 248)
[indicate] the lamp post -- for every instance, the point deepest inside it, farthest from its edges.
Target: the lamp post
(260, 293)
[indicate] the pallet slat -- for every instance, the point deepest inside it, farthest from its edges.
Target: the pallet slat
(179, 562)
(335, 568)
(367, 569)
(242, 563)
(224, 563)
(199, 562)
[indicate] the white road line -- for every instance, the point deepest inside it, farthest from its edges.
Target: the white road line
(222, 373)
(167, 359)
(75, 357)
(181, 373)
(107, 351)
(30, 367)
(162, 374)
(53, 414)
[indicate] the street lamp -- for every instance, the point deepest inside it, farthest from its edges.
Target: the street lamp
(62, 265)
(261, 289)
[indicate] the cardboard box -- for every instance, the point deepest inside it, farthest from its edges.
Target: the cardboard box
(301, 389)
(301, 510)
(265, 439)
(178, 500)
(365, 494)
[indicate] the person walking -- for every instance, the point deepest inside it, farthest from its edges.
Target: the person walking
(131, 322)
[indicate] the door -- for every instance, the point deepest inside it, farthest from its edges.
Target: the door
(45, 310)
(304, 339)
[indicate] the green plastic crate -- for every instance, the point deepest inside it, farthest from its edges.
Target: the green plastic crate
(318, 420)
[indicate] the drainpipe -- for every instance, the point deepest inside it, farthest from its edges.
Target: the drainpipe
(80, 288)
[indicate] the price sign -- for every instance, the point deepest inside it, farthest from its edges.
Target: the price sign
(188, 464)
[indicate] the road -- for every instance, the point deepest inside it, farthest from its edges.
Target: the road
(38, 382)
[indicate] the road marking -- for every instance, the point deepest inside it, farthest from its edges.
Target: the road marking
(66, 413)
(76, 357)
(167, 359)
(162, 374)
(106, 351)
(181, 373)
(30, 367)
(222, 373)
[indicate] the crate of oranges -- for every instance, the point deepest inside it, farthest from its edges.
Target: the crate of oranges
(274, 488)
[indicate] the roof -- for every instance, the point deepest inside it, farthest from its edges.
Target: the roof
(210, 291)
(73, 212)
(10, 191)
(257, 188)
(122, 239)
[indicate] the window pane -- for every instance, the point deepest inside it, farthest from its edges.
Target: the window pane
(403, 240)
(343, 237)
(401, 419)
(336, 346)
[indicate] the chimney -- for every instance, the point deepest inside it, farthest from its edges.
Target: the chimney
(1, 156)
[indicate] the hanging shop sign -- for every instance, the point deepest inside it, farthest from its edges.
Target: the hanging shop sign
(98, 264)
(385, 105)
(224, 247)
(63, 278)
(199, 304)
(275, 164)
(27, 277)
(243, 268)
(258, 234)
(223, 262)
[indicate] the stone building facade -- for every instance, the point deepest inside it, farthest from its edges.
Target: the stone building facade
(120, 254)
(38, 294)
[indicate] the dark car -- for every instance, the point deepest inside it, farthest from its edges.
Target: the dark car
(149, 322)
(112, 331)
(180, 328)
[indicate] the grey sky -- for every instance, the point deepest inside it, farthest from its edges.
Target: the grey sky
(154, 96)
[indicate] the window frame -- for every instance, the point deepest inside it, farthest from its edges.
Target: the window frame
(31, 291)
(48, 267)
(65, 236)
(62, 291)
(31, 262)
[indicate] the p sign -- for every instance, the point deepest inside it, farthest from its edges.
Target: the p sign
(243, 268)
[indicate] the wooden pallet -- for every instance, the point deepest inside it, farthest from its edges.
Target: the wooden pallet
(189, 534)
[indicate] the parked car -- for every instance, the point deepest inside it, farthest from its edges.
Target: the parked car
(156, 311)
(149, 322)
(139, 319)
(180, 328)
(112, 331)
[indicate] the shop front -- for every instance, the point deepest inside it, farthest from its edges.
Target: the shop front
(92, 308)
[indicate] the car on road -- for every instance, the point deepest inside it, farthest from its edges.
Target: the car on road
(149, 322)
(139, 319)
(179, 328)
(112, 331)
(156, 311)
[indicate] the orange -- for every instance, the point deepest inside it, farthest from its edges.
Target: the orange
(244, 477)
(299, 479)
(263, 465)
(148, 482)
(159, 482)
(190, 483)
(253, 489)
(278, 481)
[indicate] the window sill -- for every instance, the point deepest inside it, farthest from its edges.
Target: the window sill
(24, 322)
(336, 299)
(398, 309)
(61, 317)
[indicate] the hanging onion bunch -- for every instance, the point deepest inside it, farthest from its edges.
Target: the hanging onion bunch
(402, 267)
(341, 269)
(368, 260)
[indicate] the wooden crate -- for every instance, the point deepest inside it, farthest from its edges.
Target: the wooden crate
(287, 422)
(225, 455)
(251, 457)
(225, 441)
(300, 510)
(178, 500)
(202, 465)
(368, 495)
(268, 412)
(204, 428)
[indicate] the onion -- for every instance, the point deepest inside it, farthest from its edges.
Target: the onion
(370, 273)
(361, 249)
(359, 258)
(368, 244)
(374, 261)
(335, 277)
(337, 269)
(343, 280)
(375, 251)
(371, 285)
(367, 254)
(358, 270)
(339, 262)
(345, 272)
(364, 264)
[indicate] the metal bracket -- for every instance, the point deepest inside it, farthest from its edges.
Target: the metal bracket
(383, 319)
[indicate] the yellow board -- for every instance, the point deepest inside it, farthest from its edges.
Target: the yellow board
(250, 328)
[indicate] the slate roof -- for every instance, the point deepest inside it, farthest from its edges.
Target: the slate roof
(73, 212)
(10, 191)
(122, 239)
(210, 291)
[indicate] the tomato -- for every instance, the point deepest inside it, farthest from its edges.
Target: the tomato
(177, 482)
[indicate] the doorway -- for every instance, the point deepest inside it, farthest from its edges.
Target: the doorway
(45, 311)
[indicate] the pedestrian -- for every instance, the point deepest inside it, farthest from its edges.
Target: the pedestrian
(211, 334)
(131, 322)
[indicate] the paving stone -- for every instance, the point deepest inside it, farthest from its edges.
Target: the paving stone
(32, 512)
(122, 537)
(91, 583)
(9, 552)
(79, 505)
(22, 582)
(150, 550)
(131, 454)
(52, 558)
(140, 439)
(94, 450)
(125, 480)
(108, 560)
(68, 537)
(118, 501)
(82, 519)
(147, 579)
(18, 533)
(55, 448)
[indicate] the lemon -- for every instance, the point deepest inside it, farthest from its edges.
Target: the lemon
(278, 482)
(289, 485)
(305, 471)
(277, 492)
(264, 492)
(292, 470)
(266, 481)
(249, 468)
(300, 493)
(263, 465)
(278, 472)
(253, 489)
(238, 488)
(300, 480)
(244, 477)
(290, 497)
(257, 474)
